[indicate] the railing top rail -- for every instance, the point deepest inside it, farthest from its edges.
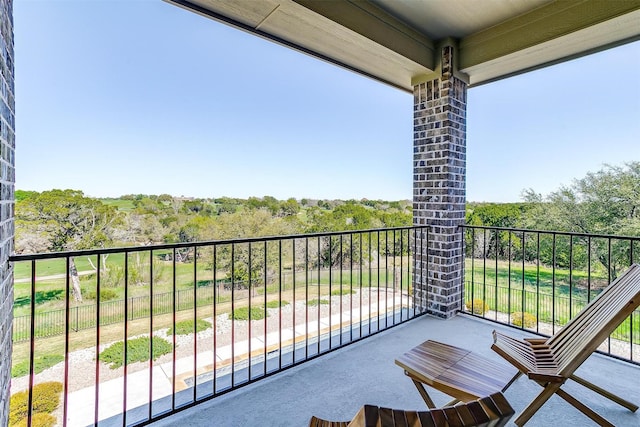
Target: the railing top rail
(183, 245)
(561, 233)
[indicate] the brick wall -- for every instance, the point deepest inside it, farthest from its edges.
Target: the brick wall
(439, 169)
(7, 179)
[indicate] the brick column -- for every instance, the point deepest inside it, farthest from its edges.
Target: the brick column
(439, 169)
(7, 180)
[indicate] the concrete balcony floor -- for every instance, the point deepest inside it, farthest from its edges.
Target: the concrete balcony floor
(336, 385)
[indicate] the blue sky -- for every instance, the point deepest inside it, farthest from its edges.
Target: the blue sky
(121, 97)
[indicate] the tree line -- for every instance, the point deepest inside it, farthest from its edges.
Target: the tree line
(605, 202)
(602, 202)
(59, 220)
(64, 220)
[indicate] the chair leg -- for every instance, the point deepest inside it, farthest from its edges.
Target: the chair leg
(512, 380)
(424, 394)
(584, 408)
(527, 413)
(620, 401)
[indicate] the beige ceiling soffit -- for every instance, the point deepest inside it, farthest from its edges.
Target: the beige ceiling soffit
(597, 38)
(246, 13)
(437, 72)
(220, 11)
(541, 25)
(267, 17)
(320, 34)
(377, 25)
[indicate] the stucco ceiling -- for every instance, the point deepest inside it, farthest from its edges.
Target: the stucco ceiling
(396, 41)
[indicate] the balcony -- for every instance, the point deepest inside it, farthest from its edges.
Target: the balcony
(273, 330)
(335, 386)
(251, 312)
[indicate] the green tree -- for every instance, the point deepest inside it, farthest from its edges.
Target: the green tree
(23, 194)
(289, 207)
(486, 243)
(335, 251)
(603, 202)
(226, 205)
(349, 216)
(254, 223)
(148, 205)
(198, 206)
(70, 221)
(142, 229)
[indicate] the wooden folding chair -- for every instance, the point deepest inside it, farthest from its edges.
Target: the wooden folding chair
(490, 411)
(550, 362)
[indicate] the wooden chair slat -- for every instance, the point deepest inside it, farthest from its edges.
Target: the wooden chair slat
(426, 419)
(465, 415)
(480, 416)
(439, 418)
(453, 417)
(399, 418)
(477, 413)
(318, 422)
(385, 417)
(371, 417)
(412, 419)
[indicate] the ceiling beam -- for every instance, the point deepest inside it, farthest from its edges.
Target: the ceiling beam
(544, 24)
(378, 26)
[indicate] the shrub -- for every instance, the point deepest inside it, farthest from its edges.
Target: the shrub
(204, 283)
(137, 351)
(185, 327)
(45, 399)
(113, 277)
(523, 320)
(478, 306)
(40, 363)
(276, 304)
(138, 270)
(344, 291)
(315, 302)
(87, 277)
(243, 313)
(38, 419)
(105, 294)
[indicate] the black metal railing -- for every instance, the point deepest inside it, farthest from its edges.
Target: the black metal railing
(52, 322)
(201, 319)
(539, 280)
(195, 320)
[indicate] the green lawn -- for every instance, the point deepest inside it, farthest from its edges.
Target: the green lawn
(556, 294)
(501, 274)
(49, 267)
(120, 204)
(552, 296)
(50, 292)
